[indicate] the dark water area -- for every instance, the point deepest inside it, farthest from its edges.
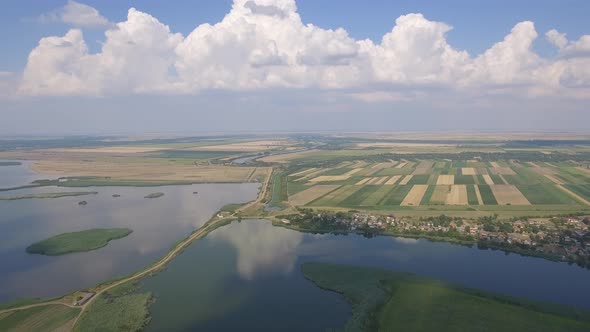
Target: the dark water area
(246, 276)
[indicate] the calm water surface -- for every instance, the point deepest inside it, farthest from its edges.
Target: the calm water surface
(157, 225)
(246, 276)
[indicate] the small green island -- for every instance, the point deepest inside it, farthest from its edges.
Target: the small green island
(154, 195)
(10, 163)
(87, 240)
(384, 300)
(48, 195)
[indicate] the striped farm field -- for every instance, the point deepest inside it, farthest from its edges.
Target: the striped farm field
(406, 179)
(311, 194)
(487, 196)
(496, 179)
(356, 198)
(335, 197)
(582, 190)
(488, 179)
(376, 197)
(508, 194)
(472, 195)
(363, 181)
(427, 195)
(439, 196)
(396, 195)
(414, 196)
(393, 179)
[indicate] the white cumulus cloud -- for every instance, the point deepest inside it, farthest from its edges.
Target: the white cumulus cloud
(263, 44)
(76, 14)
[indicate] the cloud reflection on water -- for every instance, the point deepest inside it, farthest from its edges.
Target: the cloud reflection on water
(261, 247)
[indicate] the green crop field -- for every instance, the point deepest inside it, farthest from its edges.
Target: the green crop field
(464, 179)
(427, 195)
(545, 193)
(419, 179)
(397, 195)
(580, 189)
(487, 196)
(376, 197)
(359, 196)
(471, 195)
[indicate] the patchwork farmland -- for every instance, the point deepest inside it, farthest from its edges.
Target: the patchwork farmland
(441, 184)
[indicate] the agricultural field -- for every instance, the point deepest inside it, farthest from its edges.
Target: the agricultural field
(434, 185)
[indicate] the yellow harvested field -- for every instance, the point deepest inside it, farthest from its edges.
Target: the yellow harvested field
(401, 164)
(146, 171)
(478, 194)
(393, 179)
(458, 195)
(243, 146)
(494, 164)
(440, 194)
(305, 171)
(110, 149)
(445, 179)
(406, 179)
(414, 197)
(488, 179)
(468, 171)
(328, 178)
(554, 179)
(308, 195)
(363, 181)
(503, 171)
(508, 194)
(583, 169)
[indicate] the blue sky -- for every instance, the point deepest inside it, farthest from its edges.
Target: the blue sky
(406, 89)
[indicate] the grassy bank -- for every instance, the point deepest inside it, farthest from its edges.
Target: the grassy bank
(77, 241)
(386, 301)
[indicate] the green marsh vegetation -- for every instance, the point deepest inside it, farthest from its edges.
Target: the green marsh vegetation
(386, 301)
(48, 195)
(119, 309)
(87, 240)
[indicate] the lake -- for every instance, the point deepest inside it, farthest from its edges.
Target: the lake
(157, 225)
(245, 276)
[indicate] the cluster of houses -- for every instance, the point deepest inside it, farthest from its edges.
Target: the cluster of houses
(567, 238)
